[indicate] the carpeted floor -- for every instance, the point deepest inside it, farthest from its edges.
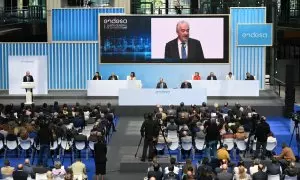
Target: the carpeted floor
(126, 139)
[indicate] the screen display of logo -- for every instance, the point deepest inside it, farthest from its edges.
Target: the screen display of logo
(254, 35)
(115, 23)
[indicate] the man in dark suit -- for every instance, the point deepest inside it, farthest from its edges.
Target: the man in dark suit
(19, 174)
(249, 76)
(185, 85)
(100, 157)
(184, 47)
(261, 135)
(211, 76)
(161, 84)
(28, 78)
(113, 77)
(97, 76)
(260, 175)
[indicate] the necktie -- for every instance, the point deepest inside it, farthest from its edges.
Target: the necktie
(183, 51)
(27, 78)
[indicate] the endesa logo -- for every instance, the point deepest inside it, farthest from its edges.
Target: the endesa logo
(255, 35)
(115, 21)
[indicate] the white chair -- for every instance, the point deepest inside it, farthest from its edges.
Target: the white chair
(25, 144)
(241, 145)
(271, 144)
(1, 145)
(160, 146)
(274, 177)
(10, 146)
(286, 177)
(41, 176)
(80, 145)
(86, 115)
(200, 144)
(54, 147)
(172, 135)
(174, 144)
(229, 142)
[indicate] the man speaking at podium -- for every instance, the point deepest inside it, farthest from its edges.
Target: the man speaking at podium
(184, 47)
(28, 78)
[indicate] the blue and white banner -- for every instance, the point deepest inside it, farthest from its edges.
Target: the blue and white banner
(254, 35)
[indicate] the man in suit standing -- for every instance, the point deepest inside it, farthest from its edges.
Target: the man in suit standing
(100, 158)
(113, 77)
(211, 76)
(186, 85)
(249, 76)
(184, 47)
(20, 174)
(28, 78)
(161, 84)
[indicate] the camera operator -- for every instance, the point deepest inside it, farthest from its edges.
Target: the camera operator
(44, 138)
(149, 131)
(261, 134)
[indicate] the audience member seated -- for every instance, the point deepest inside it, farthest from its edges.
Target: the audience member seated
(260, 174)
(254, 169)
(188, 167)
(58, 171)
(241, 165)
(131, 76)
(222, 153)
(196, 76)
(240, 134)
(286, 156)
(173, 165)
(78, 169)
(49, 175)
(97, 76)
(249, 76)
(189, 175)
(19, 174)
(291, 170)
(241, 174)
(161, 84)
(229, 76)
(154, 162)
(274, 168)
(69, 174)
(225, 108)
(113, 77)
(7, 170)
(170, 174)
(224, 175)
(186, 85)
(155, 172)
(28, 168)
(211, 76)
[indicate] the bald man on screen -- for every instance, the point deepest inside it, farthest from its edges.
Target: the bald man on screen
(184, 47)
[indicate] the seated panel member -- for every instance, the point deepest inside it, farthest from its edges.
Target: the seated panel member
(196, 76)
(211, 76)
(97, 76)
(229, 76)
(186, 85)
(249, 76)
(113, 77)
(131, 76)
(161, 84)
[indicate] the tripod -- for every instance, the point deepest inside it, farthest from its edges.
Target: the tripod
(162, 132)
(296, 128)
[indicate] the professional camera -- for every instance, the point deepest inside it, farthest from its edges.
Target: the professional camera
(295, 116)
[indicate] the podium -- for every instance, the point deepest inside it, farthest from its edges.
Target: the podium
(28, 85)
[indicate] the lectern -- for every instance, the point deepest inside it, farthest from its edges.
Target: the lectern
(29, 86)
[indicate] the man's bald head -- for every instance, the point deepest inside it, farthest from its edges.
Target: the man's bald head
(20, 167)
(27, 161)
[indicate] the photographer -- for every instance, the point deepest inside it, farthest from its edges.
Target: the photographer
(44, 138)
(261, 134)
(149, 131)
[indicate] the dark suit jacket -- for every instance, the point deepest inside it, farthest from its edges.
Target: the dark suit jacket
(113, 77)
(189, 85)
(30, 79)
(100, 153)
(20, 175)
(250, 78)
(194, 50)
(260, 176)
(209, 78)
(164, 85)
(95, 78)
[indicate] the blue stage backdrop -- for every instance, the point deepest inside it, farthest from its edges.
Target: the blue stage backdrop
(78, 24)
(71, 64)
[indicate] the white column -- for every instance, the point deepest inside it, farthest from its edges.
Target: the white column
(51, 4)
(123, 3)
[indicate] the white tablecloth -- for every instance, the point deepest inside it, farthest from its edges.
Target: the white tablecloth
(228, 87)
(110, 87)
(150, 97)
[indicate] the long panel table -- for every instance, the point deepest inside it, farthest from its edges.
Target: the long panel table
(150, 97)
(228, 87)
(110, 87)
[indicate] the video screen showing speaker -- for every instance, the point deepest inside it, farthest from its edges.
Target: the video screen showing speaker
(161, 39)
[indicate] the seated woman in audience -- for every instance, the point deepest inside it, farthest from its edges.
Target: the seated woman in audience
(58, 170)
(229, 76)
(7, 170)
(49, 175)
(197, 76)
(240, 164)
(131, 76)
(240, 134)
(241, 174)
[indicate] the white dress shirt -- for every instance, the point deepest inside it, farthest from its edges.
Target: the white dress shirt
(176, 170)
(229, 78)
(179, 48)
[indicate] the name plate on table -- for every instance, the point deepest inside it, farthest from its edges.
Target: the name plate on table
(152, 97)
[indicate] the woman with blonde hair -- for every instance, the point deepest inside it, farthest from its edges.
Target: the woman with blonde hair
(242, 175)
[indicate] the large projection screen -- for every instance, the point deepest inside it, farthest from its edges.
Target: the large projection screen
(158, 39)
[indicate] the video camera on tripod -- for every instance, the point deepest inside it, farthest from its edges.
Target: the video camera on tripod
(295, 117)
